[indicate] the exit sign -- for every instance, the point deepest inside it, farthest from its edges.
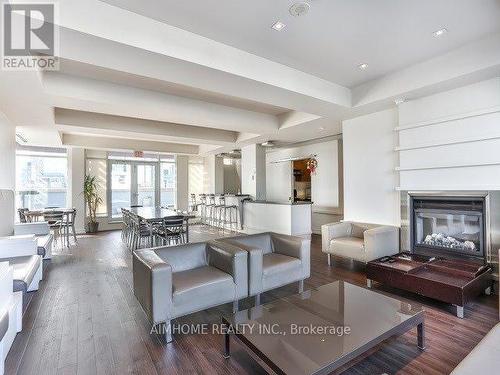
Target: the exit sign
(138, 154)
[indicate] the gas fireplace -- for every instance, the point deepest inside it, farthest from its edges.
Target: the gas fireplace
(453, 225)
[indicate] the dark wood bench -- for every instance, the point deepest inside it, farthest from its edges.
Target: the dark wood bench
(447, 280)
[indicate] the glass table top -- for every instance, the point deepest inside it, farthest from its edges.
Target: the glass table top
(307, 332)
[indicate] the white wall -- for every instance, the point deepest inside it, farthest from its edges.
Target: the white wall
(451, 140)
(76, 175)
(326, 183)
(370, 179)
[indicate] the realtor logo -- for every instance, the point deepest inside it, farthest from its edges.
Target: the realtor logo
(30, 38)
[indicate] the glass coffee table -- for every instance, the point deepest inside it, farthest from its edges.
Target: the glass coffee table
(322, 329)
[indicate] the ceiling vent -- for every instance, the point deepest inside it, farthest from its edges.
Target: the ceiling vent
(299, 9)
(20, 138)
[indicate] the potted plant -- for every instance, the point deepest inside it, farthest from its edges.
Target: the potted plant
(93, 200)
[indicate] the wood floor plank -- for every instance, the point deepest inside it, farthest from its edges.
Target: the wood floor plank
(85, 320)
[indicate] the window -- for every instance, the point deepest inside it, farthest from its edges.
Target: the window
(41, 178)
(97, 168)
(168, 183)
(196, 171)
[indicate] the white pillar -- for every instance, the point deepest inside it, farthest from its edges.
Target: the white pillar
(215, 174)
(8, 147)
(182, 175)
(76, 175)
(253, 171)
(7, 169)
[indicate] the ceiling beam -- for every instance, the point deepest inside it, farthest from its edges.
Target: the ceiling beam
(109, 143)
(68, 121)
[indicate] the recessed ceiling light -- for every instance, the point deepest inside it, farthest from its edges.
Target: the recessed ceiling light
(278, 26)
(439, 32)
(363, 66)
(399, 100)
(321, 128)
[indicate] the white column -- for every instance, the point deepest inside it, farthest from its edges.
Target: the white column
(76, 175)
(214, 167)
(182, 196)
(253, 171)
(7, 169)
(8, 147)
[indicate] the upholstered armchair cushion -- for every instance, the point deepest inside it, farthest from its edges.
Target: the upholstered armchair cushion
(274, 259)
(349, 247)
(360, 241)
(173, 281)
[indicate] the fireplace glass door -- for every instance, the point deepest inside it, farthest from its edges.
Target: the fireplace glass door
(455, 231)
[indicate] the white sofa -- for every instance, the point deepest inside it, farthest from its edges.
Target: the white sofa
(10, 312)
(22, 254)
(359, 241)
(41, 230)
(485, 357)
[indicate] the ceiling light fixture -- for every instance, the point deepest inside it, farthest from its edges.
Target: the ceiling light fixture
(363, 66)
(321, 128)
(399, 101)
(267, 144)
(440, 32)
(278, 26)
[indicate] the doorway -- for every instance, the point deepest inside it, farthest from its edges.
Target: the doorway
(132, 183)
(301, 181)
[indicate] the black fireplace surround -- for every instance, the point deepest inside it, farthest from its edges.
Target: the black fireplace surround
(449, 226)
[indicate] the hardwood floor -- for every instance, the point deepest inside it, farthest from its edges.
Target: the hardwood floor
(86, 320)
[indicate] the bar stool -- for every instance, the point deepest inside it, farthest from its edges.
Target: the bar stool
(203, 208)
(193, 205)
(219, 211)
(227, 213)
(210, 208)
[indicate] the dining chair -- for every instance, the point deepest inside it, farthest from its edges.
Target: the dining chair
(55, 220)
(69, 224)
(173, 231)
(22, 214)
(142, 233)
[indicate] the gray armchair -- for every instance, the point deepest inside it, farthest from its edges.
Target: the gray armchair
(170, 282)
(359, 241)
(274, 260)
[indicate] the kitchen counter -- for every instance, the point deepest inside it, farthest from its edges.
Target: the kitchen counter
(292, 218)
(286, 203)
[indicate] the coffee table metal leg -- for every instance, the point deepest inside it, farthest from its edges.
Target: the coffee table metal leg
(227, 342)
(369, 283)
(421, 336)
(460, 311)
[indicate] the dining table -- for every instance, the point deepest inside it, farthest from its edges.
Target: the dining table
(157, 214)
(35, 215)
